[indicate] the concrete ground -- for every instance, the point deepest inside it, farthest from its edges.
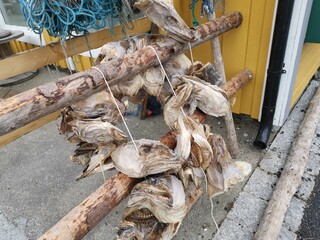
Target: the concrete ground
(38, 184)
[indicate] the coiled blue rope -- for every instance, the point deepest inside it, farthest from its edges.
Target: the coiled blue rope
(65, 18)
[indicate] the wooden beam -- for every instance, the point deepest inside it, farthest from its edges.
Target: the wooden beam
(53, 52)
(290, 179)
(79, 221)
(92, 210)
(232, 142)
(7, 138)
(33, 104)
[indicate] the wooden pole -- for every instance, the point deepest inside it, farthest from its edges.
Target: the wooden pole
(290, 179)
(232, 142)
(94, 208)
(53, 52)
(33, 104)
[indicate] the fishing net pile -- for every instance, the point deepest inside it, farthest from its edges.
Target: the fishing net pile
(66, 18)
(157, 204)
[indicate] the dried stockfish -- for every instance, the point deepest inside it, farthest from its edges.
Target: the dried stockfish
(152, 157)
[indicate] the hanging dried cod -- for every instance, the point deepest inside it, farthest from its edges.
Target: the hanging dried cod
(156, 203)
(195, 93)
(150, 157)
(223, 172)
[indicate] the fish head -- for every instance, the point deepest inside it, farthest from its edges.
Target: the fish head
(138, 224)
(157, 157)
(156, 188)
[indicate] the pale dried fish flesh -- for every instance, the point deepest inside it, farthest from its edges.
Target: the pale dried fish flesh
(183, 147)
(153, 80)
(131, 87)
(210, 98)
(110, 51)
(232, 171)
(191, 138)
(183, 102)
(97, 105)
(198, 175)
(179, 65)
(152, 158)
(215, 180)
(164, 196)
(98, 132)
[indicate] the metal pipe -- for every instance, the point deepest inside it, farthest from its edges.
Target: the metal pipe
(275, 70)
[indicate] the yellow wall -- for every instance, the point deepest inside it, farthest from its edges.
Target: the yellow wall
(246, 46)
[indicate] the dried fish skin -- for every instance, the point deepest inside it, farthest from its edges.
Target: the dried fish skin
(179, 65)
(182, 103)
(66, 118)
(198, 175)
(210, 98)
(207, 73)
(97, 105)
(153, 80)
(201, 151)
(166, 90)
(83, 153)
(99, 161)
(232, 171)
(140, 224)
(183, 136)
(98, 132)
(110, 51)
(131, 87)
(215, 180)
(152, 157)
(191, 138)
(173, 24)
(164, 196)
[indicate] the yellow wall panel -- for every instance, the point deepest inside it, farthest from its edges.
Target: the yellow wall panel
(309, 63)
(246, 46)
(263, 58)
(235, 43)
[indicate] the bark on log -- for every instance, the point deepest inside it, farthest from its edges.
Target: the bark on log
(232, 142)
(33, 104)
(94, 208)
(80, 220)
(290, 179)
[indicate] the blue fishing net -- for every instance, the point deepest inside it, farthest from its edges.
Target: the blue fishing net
(71, 17)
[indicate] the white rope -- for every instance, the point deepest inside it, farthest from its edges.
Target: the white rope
(115, 102)
(211, 202)
(191, 54)
(101, 169)
(164, 72)
(63, 45)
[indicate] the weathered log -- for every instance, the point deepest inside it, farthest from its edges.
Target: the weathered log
(232, 142)
(84, 217)
(33, 104)
(92, 210)
(290, 179)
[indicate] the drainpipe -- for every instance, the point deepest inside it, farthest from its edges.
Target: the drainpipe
(275, 70)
